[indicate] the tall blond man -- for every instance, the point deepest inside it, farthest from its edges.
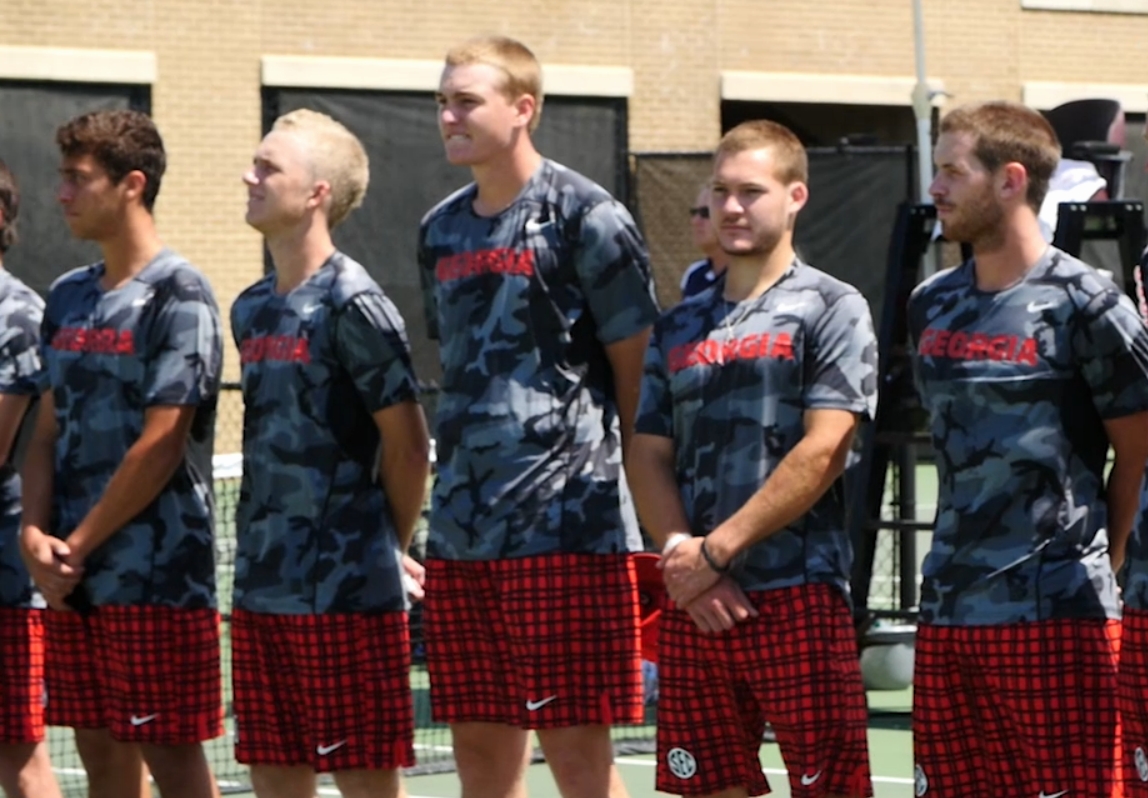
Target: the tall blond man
(538, 288)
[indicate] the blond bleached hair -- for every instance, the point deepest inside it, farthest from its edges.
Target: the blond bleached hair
(523, 73)
(789, 156)
(335, 155)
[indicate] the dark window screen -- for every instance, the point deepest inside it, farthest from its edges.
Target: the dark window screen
(30, 112)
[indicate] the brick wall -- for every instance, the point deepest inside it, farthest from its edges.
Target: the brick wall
(206, 99)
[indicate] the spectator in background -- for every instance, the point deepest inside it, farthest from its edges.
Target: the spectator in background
(701, 274)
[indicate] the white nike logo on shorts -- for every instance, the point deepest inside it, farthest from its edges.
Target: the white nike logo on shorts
(532, 706)
(806, 780)
(323, 750)
(1044, 794)
(139, 720)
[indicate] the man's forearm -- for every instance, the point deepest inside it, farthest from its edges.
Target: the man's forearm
(1123, 492)
(37, 478)
(404, 475)
(145, 470)
(798, 482)
(655, 488)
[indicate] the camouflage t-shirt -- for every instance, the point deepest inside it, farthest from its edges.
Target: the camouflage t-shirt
(1017, 384)
(111, 355)
(315, 530)
(529, 453)
(21, 374)
(1136, 576)
(730, 384)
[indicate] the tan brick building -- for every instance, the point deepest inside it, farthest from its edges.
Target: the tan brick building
(675, 62)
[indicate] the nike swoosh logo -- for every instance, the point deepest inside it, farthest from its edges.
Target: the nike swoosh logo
(1044, 794)
(138, 720)
(532, 706)
(323, 750)
(807, 780)
(533, 226)
(790, 307)
(1037, 307)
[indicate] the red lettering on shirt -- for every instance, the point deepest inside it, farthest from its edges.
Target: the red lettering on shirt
(275, 348)
(484, 261)
(709, 352)
(961, 345)
(101, 341)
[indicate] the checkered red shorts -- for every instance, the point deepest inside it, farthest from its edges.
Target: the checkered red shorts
(795, 666)
(331, 692)
(1017, 709)
(148, 674)
(1134, 701)
(21, 675)
(537, 642)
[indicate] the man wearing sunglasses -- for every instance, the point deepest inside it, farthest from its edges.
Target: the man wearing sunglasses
(701, 274)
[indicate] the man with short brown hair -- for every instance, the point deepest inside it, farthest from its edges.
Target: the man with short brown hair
(1030, 364)
(118, 528)
(751, 395)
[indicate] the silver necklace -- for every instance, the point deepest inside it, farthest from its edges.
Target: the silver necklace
(727, 345)
(750, 306)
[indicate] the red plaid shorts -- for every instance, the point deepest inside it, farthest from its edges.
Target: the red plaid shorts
(795, 666)
(21, 675)
(537, 642)
(1017, 709)
(331, 692)
(1134, 701)
(148, 674)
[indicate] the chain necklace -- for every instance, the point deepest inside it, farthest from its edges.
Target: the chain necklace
(750, 305)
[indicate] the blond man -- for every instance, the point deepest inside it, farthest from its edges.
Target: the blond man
(320, 643)
(539, 291)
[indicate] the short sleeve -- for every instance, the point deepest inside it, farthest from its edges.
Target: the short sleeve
(21, 367)
(914, 314)
(427, 283)
(1110, 344)
(238, 321)
(655, 406)
(185, 346)
(614, 271)
(371, 344)
(842, 358)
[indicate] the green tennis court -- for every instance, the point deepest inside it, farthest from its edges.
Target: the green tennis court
(890, 750)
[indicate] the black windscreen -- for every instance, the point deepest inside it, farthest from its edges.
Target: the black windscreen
(29, 115)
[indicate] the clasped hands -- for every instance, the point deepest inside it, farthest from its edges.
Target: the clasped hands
(713, 600)
(53, 566)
